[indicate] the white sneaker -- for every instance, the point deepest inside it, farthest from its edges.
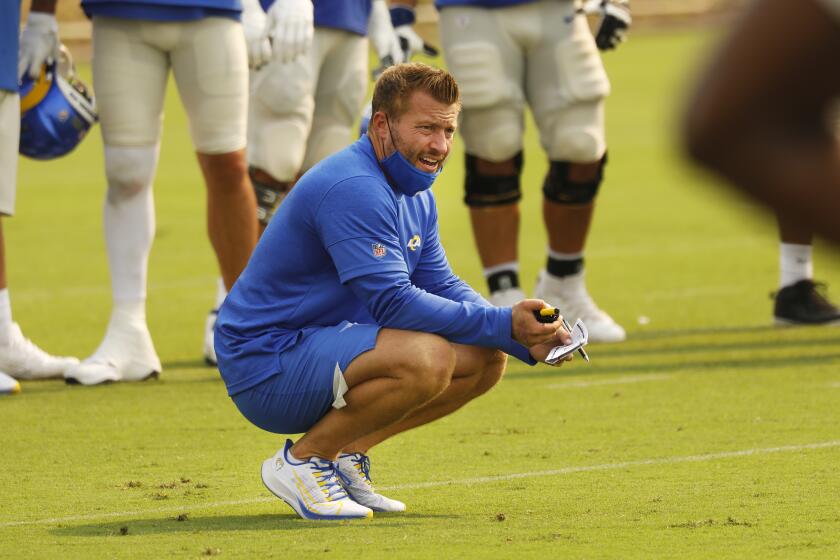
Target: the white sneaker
(570, 296)
(209, 328)
(125, 354)
(21, 359)
(310, 487)
(8, 385)
(506, 298)
(354, 473)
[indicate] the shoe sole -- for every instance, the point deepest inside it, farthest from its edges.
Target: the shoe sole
(781, 322)
(295, 504)
(73, 381)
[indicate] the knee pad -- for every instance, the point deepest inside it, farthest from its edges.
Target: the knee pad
(481, 191)
(129, 170)
(560, 189)
(269, 196)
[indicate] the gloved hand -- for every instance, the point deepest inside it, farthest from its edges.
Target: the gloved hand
(615, 21)
(290, 27)
(38, 42)
(402, 18)
(382, 36)
(256, 37)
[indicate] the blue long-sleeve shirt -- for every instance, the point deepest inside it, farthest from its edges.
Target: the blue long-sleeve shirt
(345, 245)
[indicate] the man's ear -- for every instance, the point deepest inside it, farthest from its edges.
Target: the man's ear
(379, 124)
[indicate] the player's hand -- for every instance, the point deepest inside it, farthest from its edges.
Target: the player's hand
(382, 36)
(614, 23)
(290, 26)
(526, 330)
(403, 18)
(38, 43)
(256, 36)
(540, 351)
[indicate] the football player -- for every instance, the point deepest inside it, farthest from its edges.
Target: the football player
(505, 54)
(19, 357)
(135, 46)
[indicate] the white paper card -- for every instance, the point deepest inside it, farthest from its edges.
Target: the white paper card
(580, 337)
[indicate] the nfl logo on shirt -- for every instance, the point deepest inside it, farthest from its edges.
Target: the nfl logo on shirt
(378, 250)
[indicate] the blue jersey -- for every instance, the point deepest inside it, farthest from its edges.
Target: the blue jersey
(163, 10)
(9, 29)
(481, 3)
(347, 15)
(345, 245)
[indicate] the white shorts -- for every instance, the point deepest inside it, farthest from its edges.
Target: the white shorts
(9, 140)
(542, 53)
(131, 62)
(302, 111)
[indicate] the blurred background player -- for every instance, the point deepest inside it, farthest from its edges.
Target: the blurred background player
(305, 100)
(505, 53)
(800, 300)
(19, 357)
(762, 115)
(307, 89)
(135, 44)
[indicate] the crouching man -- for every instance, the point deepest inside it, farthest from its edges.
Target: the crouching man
(348, 324)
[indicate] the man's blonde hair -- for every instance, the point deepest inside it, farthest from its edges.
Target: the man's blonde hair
(397, 83)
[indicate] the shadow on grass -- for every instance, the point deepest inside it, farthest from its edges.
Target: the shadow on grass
(222, 523)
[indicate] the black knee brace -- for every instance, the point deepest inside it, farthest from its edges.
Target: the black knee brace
(269, 196)
(560, 189)
(491, 190)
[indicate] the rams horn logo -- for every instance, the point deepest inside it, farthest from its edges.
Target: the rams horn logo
(414, 243)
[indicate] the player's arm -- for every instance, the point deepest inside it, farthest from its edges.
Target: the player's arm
(39, 40)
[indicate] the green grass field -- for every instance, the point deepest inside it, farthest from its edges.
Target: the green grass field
(708, 434)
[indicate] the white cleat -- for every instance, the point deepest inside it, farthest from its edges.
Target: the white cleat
(570, 296)
(354, 473)
(209, 328)
(125, 354)
(8, 385)
(21, 359)
(310, 487)
(506, 298)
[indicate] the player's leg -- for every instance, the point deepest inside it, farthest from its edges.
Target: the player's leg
(130, 69)
(19, 357)
(566, 88)
(209, 63)
(761, 120)
(799, 299)
(279, 121)
(488, 64)
(339, 96)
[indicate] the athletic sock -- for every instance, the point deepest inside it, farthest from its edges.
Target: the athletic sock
(795, 263)
(127, 312)
(564, 264)
(503, 276)
(221, 293)
(5, 316)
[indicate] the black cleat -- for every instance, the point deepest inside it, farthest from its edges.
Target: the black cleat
(804, 303)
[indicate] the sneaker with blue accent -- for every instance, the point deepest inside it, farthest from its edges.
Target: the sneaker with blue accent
(354, 472)
(311, 487)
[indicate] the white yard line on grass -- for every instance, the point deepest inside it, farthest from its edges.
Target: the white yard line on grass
(456, 482)
(617, 381)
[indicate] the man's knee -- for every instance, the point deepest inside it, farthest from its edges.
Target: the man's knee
(427, 365)
(494, 364)
(129, 170)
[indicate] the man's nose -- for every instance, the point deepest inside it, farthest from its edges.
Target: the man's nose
(438, 142)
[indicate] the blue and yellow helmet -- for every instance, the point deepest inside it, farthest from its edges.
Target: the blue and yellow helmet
(56, 110)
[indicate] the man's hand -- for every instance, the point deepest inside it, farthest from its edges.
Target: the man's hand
(540, 351)
(525, 328)
(256, 37)
(38, 42)
(290, 26)
(382, 36)
(403, 18)
(614, 23)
